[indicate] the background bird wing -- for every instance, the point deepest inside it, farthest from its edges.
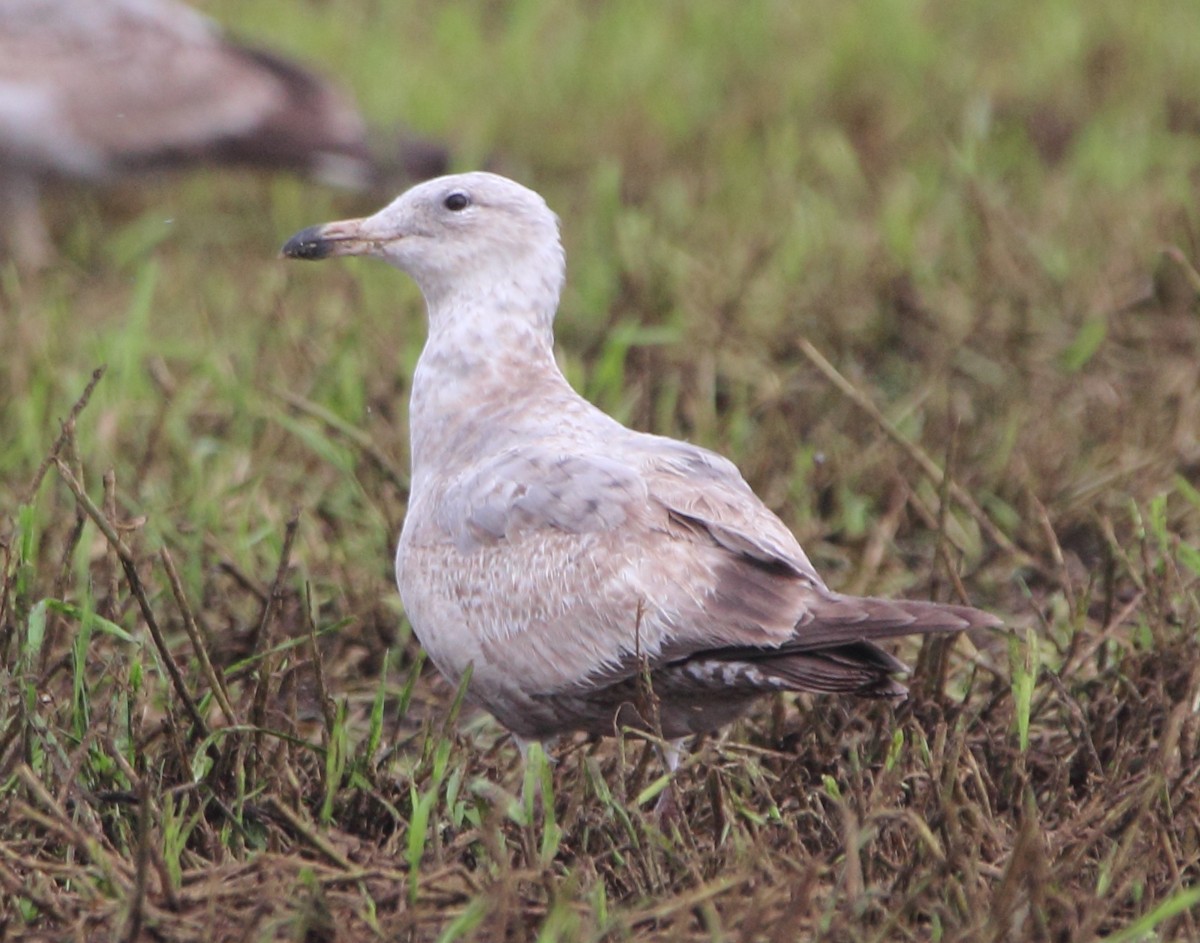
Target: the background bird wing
(94, 88)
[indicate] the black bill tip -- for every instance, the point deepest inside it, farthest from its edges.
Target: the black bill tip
(307, 244)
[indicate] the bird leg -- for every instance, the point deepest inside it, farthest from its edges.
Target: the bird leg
(27, 240)
(666, 808)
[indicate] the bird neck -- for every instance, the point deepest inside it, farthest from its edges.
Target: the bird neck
(481, 365)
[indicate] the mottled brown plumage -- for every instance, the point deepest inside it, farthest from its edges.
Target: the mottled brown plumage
(558, 553)
(96, 90)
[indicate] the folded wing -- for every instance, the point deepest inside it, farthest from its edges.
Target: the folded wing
(723, 594)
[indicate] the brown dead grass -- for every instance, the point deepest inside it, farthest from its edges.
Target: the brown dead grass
(990, 242)
(828, 820)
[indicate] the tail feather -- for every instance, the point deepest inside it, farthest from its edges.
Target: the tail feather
(860, 668)
(834, 650)
(833, 619)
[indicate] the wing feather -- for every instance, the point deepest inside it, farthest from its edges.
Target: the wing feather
(530, 490)
(677, 537)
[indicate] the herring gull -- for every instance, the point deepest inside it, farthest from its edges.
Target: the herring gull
(562, 556)
(95, 90)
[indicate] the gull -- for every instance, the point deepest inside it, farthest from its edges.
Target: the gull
(563, 558)
(97, 90)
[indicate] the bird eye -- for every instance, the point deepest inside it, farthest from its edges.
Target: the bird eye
(456, 201)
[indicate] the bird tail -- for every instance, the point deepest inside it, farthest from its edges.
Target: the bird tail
(834, 648)
(860, 668)
(834, 620)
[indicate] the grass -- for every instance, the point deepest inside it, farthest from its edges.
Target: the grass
(850, 246)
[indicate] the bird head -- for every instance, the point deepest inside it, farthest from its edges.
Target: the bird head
(476, 235)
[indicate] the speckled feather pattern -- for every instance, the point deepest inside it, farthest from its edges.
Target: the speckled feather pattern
(560, 554)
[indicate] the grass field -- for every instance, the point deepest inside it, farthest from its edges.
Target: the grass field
(850, 245)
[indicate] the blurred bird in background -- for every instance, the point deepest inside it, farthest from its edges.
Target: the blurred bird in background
(104, 90)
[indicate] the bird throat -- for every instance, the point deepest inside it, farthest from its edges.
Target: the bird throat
(472, 383)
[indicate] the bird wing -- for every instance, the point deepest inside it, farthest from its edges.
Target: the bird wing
(94, 88)
(576, 566)
(628, 552)
(706, 492)
(529, 490)
(765, 572)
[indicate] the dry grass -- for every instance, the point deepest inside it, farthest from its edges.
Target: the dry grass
(847, 247)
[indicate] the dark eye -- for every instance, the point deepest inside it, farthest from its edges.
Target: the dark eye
(456, 201)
